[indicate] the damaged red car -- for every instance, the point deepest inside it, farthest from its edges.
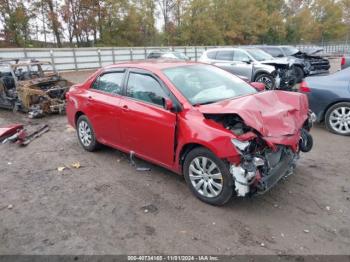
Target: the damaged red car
(195, 119)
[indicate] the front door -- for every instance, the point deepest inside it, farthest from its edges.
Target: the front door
(147, 127)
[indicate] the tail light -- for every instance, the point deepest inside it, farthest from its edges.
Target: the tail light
(342, 61)
(304, 87)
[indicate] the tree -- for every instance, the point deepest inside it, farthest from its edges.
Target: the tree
(15, 19)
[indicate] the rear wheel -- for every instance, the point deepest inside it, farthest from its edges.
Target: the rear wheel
(208, 176)
(338, 119)
(86, 134)
(267, 79)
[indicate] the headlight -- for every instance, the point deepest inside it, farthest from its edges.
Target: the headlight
(241, 145)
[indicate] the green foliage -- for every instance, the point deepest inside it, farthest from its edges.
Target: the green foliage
(185, 22)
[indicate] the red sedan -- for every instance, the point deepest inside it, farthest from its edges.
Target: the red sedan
(194, 119)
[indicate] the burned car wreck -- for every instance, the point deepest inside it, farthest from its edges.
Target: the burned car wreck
(31, 86)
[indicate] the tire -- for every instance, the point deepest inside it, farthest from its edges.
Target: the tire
(267, 79)
(86, 134)
(218, 181)
(337, 119)
(299, 74)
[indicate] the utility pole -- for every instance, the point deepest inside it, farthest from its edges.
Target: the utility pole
(42, 13)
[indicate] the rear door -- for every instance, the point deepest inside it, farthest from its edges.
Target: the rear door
(148, 128)
(103, 109)
(242, 64)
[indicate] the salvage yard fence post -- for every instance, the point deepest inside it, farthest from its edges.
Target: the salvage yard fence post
(65, 59)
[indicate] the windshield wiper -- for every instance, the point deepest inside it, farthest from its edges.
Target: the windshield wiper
(205, 103)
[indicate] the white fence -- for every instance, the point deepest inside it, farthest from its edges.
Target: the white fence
(90, 58)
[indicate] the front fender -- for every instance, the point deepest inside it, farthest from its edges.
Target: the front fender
(198, 130)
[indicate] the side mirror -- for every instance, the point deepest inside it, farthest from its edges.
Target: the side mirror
(247, 61)
(280, 55)
(258, 86)
(168, 104)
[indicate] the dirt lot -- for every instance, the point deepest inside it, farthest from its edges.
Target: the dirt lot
(107, 207)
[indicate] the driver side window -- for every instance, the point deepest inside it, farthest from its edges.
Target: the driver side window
(145, 88)
(241, 56)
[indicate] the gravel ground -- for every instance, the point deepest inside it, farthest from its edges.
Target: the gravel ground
(107, 207)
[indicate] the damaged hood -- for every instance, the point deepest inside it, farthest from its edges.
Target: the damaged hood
(312, 50)
(272, 113)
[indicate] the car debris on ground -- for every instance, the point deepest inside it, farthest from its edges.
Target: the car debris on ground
(16, 133)
(133, 163)
(9, 130)
(32, 86)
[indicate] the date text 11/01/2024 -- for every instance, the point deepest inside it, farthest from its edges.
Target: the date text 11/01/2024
(173, 258)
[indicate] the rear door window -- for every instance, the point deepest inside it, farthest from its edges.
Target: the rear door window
(110, 83)
(224, 55)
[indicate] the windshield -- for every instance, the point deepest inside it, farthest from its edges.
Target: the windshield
(259, 55)
(290, 50)
(204, 84)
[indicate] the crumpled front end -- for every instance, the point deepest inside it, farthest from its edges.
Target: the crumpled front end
(260, 170)
(284, 72)
(269, 132)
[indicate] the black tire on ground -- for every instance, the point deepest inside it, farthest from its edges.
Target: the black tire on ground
(93, 144)
(227, 180)
(299, 74)
(328, 119)
(267, 79)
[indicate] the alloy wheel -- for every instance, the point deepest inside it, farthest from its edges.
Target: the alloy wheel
(205, 177)
(339, 120)
(85, 134)
(267, 81)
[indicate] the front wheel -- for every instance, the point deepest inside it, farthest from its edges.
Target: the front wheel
(208, 177)
(267, 79)
(338, 119)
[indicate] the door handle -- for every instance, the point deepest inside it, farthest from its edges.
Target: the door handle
(125, 108)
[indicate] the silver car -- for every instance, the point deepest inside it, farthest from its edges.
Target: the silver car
(252, 64)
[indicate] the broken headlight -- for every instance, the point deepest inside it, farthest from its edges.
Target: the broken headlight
(240, 145)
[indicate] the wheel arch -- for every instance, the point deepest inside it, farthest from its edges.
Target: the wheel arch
(77, 115)
(186, 148)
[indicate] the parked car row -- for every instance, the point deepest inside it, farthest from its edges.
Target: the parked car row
(278, 67)
(306, 63)
(225, 134)
(254, 65)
